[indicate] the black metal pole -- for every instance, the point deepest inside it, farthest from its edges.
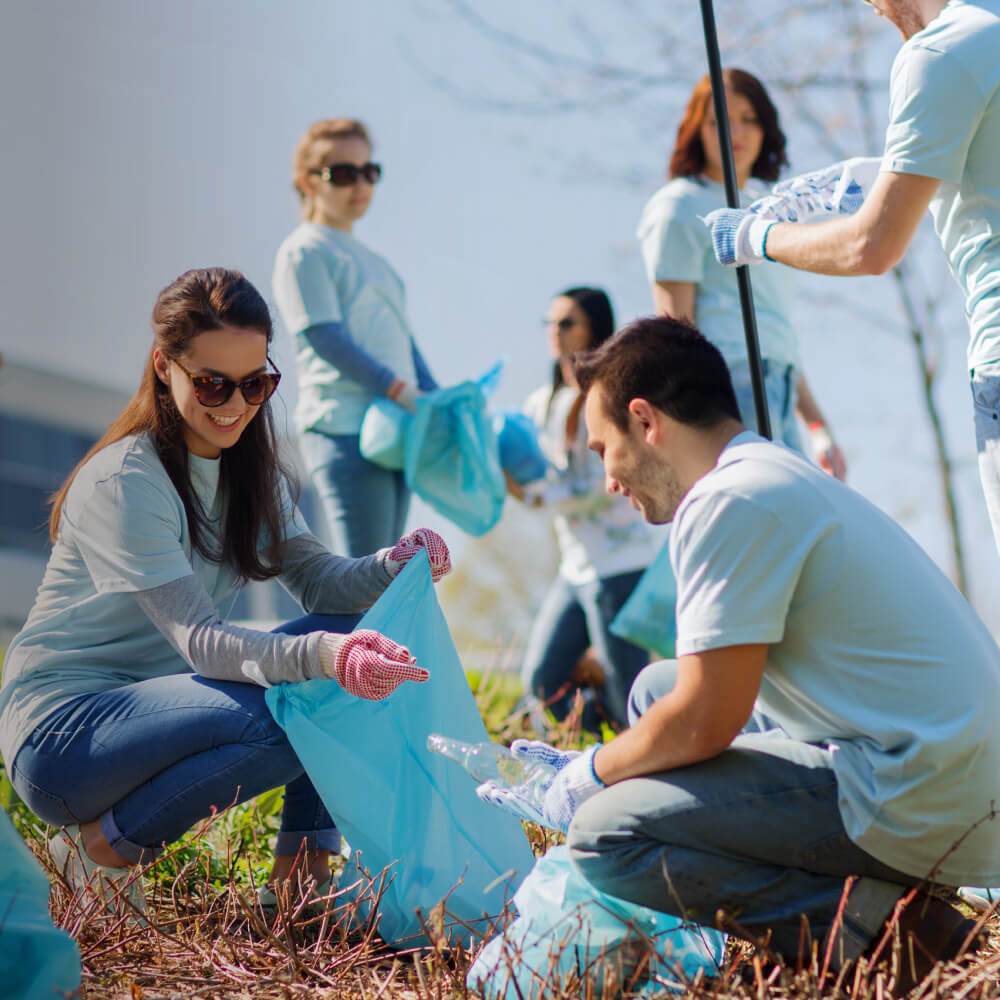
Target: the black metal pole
(733, 200)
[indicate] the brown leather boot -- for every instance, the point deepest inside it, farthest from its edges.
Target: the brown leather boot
(930, 931)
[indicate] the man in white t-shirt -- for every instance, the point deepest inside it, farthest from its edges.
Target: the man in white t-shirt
(796, 594)
(941, 152)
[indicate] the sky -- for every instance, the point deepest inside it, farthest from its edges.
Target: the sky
(143, 139)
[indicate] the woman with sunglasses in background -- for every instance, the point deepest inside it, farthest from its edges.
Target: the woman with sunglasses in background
(345, 307)
(689, 283)
(130, 709)
(604, 544)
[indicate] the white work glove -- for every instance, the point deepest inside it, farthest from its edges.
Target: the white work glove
(368, 664)
(839, 189)
(738, 235)
(829, 456)
(405, 394)
(538, 752)
(410, 544)
(572, 785)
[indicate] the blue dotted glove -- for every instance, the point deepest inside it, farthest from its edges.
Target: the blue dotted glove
(839, 189)
(738, 235)
(552, 805)
(542, 753)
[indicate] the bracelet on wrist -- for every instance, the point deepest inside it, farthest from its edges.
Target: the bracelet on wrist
(593, 770)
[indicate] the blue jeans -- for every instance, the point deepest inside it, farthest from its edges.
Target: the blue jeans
(780, 382)
(985, 383)
(152, 759)
(755, 832)
(573, 618)
(365, 505)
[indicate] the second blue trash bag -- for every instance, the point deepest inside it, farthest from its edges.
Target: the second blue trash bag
(648, 618)
(566, 929)
(396, 802)
(521, 457)
(452, 460)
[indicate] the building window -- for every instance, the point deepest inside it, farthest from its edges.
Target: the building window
(35, 458)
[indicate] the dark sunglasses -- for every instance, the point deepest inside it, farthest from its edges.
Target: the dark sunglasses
(345, 174)
(566, 323)
(214, 390)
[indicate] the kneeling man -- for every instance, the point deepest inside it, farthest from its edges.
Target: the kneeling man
(797, 595)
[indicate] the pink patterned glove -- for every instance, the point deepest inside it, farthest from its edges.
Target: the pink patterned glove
(368, 664)
(409, 545)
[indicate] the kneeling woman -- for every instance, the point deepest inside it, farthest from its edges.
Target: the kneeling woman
(127, 713)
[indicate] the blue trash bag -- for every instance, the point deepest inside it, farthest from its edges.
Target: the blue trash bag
(453, 460)
(37, 961)
(396, 802)
(520, 455)
(383, 433)
(385, 424)
(648, 618)
(565, 927)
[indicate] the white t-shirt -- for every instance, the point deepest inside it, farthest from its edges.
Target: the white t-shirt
(872, 651)
(323, 275)
(677, 246)
(944, 112)
(598, 535)
(123, 529)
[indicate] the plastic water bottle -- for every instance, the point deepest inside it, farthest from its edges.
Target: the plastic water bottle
(494, 762)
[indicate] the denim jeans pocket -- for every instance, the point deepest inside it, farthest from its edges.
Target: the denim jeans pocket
(986, 408)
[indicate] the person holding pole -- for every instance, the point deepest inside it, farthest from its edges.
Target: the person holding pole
(689, 283)
(797, 594)
(941, 152)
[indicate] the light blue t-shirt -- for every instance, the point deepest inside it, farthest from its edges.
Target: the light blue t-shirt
(598, 535)
(677, 246)
(323, 275)
(944, 114)
(873, 652)
(123, 529)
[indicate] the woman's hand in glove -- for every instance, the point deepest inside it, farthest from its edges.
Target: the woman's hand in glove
(368, 664)
(409, 545)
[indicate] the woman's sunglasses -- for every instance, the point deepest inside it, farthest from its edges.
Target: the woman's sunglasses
(214, 390)
(566, 323)
(346, 174)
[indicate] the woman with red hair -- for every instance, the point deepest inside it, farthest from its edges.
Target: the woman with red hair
(689, 283)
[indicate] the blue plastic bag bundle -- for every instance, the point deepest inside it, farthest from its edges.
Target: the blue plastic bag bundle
(567, 928)
(383, 433)
(37, 961)
(520, 455)
(648, 618)
(452, 460)
(396, 802)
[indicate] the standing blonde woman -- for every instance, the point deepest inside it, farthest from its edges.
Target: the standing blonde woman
(345, 307)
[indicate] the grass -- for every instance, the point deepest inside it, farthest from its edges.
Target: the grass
(209, 940)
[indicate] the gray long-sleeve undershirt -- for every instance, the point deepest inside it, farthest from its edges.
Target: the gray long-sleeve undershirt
(322, 582)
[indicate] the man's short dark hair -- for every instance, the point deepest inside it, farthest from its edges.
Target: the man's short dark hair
(666, 362)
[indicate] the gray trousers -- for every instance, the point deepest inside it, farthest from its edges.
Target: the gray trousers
(754, 833)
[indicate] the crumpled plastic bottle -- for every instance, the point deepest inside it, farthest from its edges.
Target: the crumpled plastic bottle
(494, 762)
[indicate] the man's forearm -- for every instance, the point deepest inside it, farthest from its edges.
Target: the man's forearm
(710, 703)
(838, 247)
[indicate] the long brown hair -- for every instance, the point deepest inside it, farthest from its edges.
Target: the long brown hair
(251, 471)
(688, 156)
